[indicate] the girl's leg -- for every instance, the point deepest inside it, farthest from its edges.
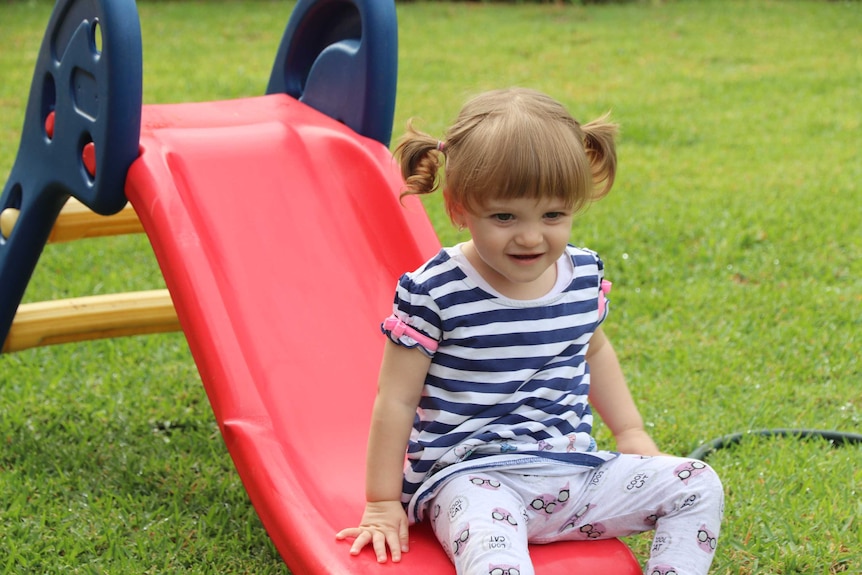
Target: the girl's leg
(682, 499)
(481, 524)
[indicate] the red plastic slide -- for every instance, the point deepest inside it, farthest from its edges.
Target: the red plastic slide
(281, 236)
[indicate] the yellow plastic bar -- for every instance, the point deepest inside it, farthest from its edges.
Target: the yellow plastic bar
(92, 317)
(76, 222)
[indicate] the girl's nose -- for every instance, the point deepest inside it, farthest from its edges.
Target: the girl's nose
(529, 236)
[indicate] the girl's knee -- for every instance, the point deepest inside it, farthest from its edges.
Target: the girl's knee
(701, 493)
(693, 469)
(700, 477)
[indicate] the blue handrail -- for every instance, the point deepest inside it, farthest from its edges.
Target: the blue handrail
(341, 58)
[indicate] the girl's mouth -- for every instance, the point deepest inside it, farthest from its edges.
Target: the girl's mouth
(525, 257)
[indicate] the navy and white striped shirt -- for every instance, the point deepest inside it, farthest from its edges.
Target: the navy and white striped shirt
(509, 377)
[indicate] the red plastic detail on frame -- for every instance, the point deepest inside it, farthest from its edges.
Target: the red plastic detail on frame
(49, 125)
(88, 156)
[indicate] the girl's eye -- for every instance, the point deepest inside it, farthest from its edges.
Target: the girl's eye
(503, 217)
(553, 215)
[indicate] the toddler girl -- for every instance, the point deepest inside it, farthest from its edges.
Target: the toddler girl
(495, 358)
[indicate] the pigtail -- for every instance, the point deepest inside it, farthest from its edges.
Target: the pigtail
(601, 150)
(421, 158)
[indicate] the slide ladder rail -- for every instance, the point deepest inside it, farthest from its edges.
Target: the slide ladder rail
(80, 134)
(341, 58)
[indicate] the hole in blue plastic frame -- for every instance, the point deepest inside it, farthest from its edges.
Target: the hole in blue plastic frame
(49, 101)
(96, 37)
(85, 140)
(13, 201)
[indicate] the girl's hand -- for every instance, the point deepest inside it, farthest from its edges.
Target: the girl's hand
(384, 524)
(637, 442)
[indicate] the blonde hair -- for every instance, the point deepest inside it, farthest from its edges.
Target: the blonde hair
(512, 143)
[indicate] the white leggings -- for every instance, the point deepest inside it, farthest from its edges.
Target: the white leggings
(485, 519)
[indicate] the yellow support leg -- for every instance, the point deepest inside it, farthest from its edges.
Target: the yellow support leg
(92, 317)
(77, 222)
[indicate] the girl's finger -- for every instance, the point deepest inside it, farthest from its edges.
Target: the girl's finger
(393, 539)
(379, 543)
(362, 539)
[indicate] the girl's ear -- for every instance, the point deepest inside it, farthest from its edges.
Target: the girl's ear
(455, 211)
(457, 217)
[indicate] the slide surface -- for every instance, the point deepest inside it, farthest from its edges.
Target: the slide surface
(281, 236)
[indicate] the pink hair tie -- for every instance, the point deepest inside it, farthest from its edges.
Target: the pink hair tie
(440, 145)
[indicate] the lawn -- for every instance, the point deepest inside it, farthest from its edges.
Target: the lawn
(732, 237)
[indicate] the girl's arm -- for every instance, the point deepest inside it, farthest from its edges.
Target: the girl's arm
(611, 398)
(384, 523)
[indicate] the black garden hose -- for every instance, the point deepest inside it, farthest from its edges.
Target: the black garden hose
(836, 438)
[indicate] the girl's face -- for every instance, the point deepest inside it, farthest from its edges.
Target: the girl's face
(516, 243)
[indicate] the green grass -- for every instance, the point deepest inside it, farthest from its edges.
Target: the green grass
(732, 237)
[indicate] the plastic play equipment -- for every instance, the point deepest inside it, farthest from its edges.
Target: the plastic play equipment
(278, 228)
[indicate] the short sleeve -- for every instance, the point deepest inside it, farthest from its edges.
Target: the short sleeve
(416, 309)
(604, 289)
